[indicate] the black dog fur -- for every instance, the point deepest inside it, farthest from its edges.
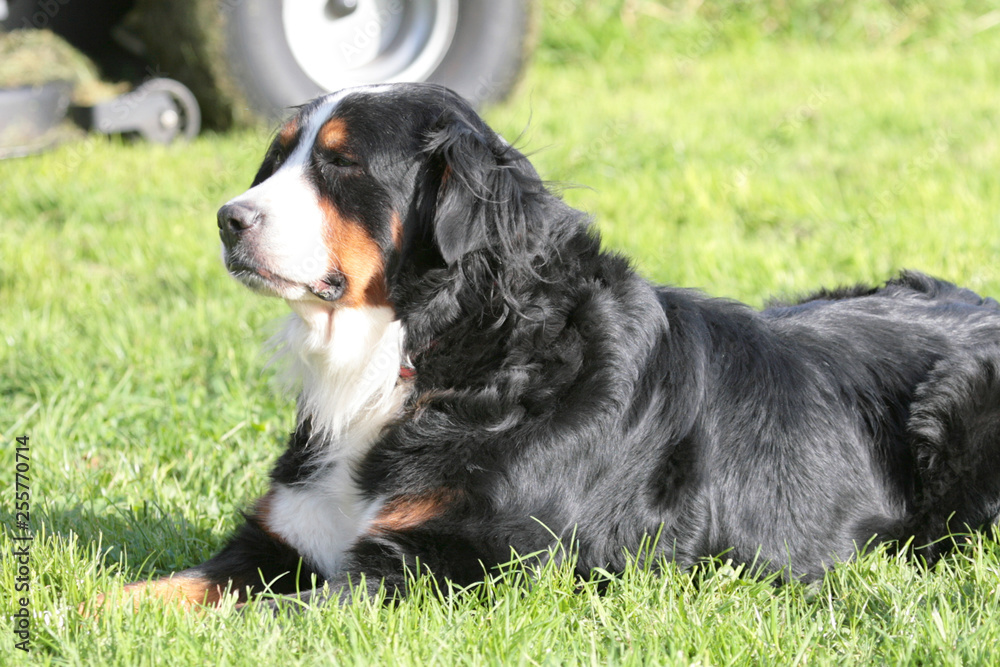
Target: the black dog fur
(557, 392)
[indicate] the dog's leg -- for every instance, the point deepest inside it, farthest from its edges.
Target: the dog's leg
(253, 560)
(387, 562)
(955, 430)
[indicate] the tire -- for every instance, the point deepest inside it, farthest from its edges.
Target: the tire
(256, 58)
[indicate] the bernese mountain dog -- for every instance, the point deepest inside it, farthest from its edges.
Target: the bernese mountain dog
(479, 378)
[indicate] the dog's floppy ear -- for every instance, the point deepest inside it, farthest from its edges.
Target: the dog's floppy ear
(481, 183)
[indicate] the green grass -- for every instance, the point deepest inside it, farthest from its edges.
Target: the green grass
(744, 150)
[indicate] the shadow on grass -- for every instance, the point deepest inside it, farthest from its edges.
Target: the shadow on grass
(139, 542)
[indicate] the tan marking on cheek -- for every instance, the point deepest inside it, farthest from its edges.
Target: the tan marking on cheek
(354, 253)
(288, 132)
(412, 511)
(333, 134)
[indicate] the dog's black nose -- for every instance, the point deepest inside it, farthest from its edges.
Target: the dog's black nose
(237, 218)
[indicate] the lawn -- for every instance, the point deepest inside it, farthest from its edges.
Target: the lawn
(749, 149)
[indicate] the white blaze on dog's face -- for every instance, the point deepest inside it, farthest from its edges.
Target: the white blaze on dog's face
(298, 232)
(317, 229)
(289, 256)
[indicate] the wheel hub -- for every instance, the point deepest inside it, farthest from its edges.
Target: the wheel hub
(339, 43)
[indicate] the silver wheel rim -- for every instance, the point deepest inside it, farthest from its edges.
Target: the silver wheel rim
(340, 43)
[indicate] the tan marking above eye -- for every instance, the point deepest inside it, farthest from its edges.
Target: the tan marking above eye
(333, 135)
(288, 132)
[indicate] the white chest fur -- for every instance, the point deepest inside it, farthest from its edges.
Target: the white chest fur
(348, 362)
(322, 518)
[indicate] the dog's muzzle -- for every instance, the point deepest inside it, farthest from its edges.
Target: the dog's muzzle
(234, 220)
